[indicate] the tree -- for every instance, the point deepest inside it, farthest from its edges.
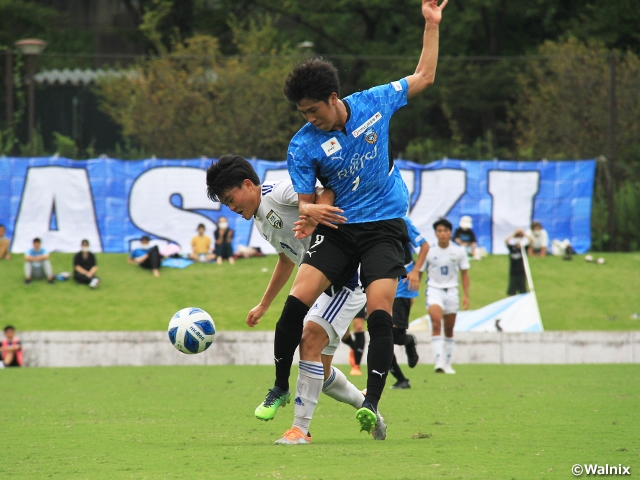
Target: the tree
(193, 102)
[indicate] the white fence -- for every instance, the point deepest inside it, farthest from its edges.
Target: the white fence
(84, 349)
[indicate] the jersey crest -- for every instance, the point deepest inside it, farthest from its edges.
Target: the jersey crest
(371, 136)
(453, 257)
(274, 220)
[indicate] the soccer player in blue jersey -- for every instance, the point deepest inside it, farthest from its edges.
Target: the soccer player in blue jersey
(407, 291)
(345, 143)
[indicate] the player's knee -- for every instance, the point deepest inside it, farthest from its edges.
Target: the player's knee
(293, 314)
(400, 336)
(380, 323)
(314, 339)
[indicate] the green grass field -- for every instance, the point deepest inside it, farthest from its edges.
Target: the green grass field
(488, 421)
(572, 295)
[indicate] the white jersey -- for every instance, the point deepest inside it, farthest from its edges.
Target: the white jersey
(274, 219)
(443, 265)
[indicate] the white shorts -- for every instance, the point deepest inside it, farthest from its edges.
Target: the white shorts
(335, 314)
(446, 298)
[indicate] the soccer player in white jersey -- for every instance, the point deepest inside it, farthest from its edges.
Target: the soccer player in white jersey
(444, 260)
(345, 143)
(274, 208)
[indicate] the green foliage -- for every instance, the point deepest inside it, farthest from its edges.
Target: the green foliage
(192, 102)
(626, 219)
(65, 146)
(590, 294)
(488, 421)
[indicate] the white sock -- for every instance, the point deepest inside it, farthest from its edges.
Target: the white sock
(448, 349)
(308, 389)
(436, 345)
(339, 388)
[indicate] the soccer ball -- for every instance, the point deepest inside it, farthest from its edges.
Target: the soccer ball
(588, 258)
(191, 330)
(600, 261)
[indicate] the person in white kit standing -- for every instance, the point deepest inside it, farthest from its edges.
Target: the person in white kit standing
(274, 207)
(444, 260)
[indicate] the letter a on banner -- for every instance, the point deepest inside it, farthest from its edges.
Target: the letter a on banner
(57, 207)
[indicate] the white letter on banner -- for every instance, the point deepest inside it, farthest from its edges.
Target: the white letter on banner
(409, 177)
(440, 190)
(513, 193)
(151, 210)
(65, 194)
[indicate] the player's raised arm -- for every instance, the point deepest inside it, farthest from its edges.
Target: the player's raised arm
(425, 73)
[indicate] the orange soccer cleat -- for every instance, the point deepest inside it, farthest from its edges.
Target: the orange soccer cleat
(294, 436)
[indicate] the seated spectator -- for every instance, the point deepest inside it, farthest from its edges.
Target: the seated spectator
(465, 237)
(517, 273)
(85, 266)
(146, 256)
(10, 349)
(224, 239)
(37, 264)
(201, 247)
(539, 240)
(4, 244)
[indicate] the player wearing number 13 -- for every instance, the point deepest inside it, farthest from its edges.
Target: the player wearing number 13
(345, 143)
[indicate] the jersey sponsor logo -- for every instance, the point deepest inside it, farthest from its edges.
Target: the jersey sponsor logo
(357, 163)
(331, 146)
(274, 220)
(371, 136)
(397, 86)
(366, 125)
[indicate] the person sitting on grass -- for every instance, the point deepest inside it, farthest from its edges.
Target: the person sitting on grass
(146, 256)
(11, 349)
(85, 266)
(201, 246)
(37, 263)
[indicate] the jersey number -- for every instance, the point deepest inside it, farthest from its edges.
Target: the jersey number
(444, 270)
(356, 183)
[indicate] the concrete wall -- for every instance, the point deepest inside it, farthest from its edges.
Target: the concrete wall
(84, 349)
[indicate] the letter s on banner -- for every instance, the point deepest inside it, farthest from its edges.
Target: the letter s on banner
(150, 205)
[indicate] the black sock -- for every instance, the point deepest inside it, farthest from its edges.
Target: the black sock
(400, 336)
(380, 354)
(348, 340)
(358, 348)
(396, 371)
(287, 339)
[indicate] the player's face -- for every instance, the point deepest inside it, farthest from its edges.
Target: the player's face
(443, 234)
(242, 200)
(9, 333)
(322, 115)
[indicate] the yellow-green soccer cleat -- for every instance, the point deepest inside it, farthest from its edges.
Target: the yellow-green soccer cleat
(367, 417)
(269, 407)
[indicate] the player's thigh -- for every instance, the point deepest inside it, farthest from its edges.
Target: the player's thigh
(309, 284)
(435, 302)
(401, 309)
(451, 301)
(334, 314)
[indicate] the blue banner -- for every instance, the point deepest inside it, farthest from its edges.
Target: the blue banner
(113, 202)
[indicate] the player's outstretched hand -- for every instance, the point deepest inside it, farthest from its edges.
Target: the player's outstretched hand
(325, 214)
(255, 314)
(303, 227)
(431, 12)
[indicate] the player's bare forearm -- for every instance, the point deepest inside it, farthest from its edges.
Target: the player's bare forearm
(422, 256)
(465, 288)
(321, 213)
(281, 274)
(425, 73)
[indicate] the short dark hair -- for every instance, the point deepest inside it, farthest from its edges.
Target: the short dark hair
(145, 238)
(9, 327)
(200, 225)
(315, 79)
(444, 222)
(37, 240)
(84, 240)
(228, 172)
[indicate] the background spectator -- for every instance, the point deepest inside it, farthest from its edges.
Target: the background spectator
(539, 240)
(465, 237)
(37, 264)
(85, 266)
(4, 244)
(201, 246)
(147, 257)
(517, 273)
(10, 349)
(224, 237)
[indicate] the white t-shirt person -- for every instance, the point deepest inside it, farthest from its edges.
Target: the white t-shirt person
(443, 265)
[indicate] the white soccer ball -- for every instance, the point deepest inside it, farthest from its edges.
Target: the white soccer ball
(191, 330)
(588, 258)
(600, 261)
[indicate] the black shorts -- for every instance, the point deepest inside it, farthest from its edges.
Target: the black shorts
(517, 283)
(401, 310)
(377, 247)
